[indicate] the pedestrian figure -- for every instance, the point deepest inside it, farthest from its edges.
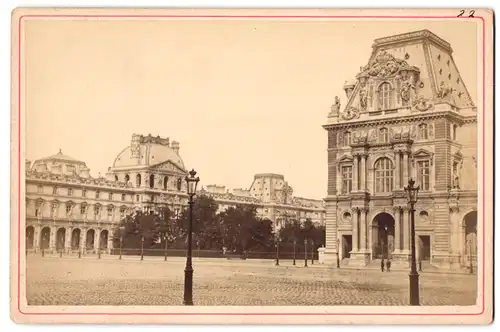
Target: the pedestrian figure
(388, 266)
(382, 265)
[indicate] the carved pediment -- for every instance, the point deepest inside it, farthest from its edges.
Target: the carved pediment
(423, 154)
(168, 166)
(385, 65)
(345, 159)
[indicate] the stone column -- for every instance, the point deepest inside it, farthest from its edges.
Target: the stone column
(97, 238)
(397, 155)
(355, 230)
(83, 239)
(36, 238)
(406, 230)
(338, 180)
(397, 229)
(67, 240)
(53, 235)
(355, 179)
(362, 212)
(405, 168)
(363, 172)
(110, 240)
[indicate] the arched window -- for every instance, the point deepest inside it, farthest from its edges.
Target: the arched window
(179, 184)
(138, 180)
(165, 182)
(152, 181)
(454, 132)
(383, 175)
(127, 178)
(346, 138)
(116, 177)
(384, 96)
(423, 133)
(383, 135)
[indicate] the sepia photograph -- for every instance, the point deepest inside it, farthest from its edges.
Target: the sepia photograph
(275, 162)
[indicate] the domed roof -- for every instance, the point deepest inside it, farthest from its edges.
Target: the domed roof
(62, 157)
(148, 151)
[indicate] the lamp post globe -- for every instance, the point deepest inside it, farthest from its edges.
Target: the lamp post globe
(412, 195)
(192, 182)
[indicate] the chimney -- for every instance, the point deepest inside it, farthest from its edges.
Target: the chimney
(175, 146)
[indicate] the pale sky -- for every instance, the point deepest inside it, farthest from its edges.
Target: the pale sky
(241, 97)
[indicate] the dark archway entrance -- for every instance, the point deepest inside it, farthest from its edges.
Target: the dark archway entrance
(30, 237)
(89, 243)
(75, 239)
(45, 238)
(470, 224)
(103, 239)
(60, 238)
(382, 235)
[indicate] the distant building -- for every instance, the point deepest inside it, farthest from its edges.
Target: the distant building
(274, 200)
(408, 115)
(68, 209)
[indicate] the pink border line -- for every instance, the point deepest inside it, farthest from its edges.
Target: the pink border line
(237, 314)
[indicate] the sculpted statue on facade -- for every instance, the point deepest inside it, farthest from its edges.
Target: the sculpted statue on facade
(444, 91)
(406, 88)
(363, 98)
(421, 104)
(350, 113)
(335, 107)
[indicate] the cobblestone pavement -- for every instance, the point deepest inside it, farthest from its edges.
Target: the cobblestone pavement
(109, 281)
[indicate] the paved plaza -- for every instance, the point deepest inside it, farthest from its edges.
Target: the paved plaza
(109, 281)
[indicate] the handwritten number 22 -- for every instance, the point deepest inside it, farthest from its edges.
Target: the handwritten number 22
(462, 12)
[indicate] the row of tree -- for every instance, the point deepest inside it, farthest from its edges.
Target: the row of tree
(238, 229)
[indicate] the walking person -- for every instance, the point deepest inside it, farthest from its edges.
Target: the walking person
(382, 265)
(388, 264)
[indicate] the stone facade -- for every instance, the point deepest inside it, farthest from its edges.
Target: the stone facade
(67, 209)
(408, 115)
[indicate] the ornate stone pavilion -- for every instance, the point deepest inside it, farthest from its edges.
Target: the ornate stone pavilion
(68, 209)
(408, 114)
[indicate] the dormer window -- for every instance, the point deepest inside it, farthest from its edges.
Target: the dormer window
(383, 135)
(385, 96)
(423, 132)
(84, 192)
(97, 194)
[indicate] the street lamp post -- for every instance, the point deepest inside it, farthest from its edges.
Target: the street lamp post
(122, 230)
(338, 256)
(412, 192)
(142, 248)
(192, 182)
(312, 252)
(305, 252)
(277, 251)
(166, 246)
(294, 250)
